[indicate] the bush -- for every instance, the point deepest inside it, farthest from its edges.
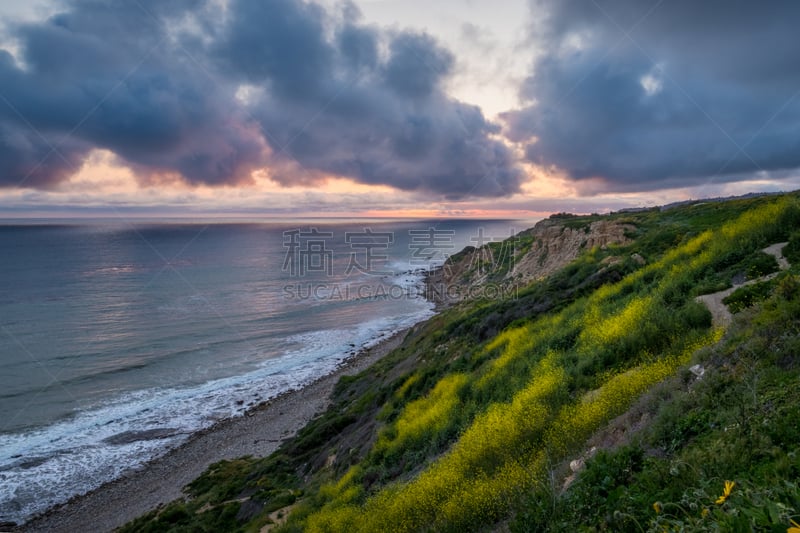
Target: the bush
(792, 250)
(748, 295)
(760, 264)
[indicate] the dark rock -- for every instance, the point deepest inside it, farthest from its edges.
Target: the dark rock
(249, 510)
(127, 437)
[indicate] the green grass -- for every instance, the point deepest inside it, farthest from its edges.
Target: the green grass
(738, 423)
(792, 250)
(470, 422)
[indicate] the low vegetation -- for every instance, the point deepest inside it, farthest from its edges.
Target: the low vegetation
(471, 423)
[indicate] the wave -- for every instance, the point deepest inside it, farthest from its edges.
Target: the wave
(47, 466)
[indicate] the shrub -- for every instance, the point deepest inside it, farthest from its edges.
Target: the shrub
(746, 296)
(792, 250)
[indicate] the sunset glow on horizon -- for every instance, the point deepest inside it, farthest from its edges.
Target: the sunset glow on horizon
(382, 108)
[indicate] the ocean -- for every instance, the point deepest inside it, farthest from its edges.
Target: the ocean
(120, 339)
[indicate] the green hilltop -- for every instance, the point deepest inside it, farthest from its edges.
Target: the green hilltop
(601, 397)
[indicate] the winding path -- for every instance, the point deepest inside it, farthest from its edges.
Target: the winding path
(720, 314)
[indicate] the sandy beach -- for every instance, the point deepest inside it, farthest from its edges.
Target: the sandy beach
(258, 433)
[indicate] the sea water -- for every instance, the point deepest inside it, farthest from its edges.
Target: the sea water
(120, 339)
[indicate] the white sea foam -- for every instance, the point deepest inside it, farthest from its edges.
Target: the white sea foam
(48, 466)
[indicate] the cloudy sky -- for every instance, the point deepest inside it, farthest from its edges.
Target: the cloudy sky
(393, 107)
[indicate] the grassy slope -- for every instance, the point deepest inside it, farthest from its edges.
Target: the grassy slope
(469, 424)
(737, 423)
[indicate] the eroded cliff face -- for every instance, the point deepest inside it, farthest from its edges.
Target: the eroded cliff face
(535, 254)
(556, 245)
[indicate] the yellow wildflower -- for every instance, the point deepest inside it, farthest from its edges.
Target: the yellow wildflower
(725, 493)
(704, 513)
(657, 507)
(795, 527)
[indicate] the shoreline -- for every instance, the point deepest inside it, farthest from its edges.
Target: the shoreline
(259, 432)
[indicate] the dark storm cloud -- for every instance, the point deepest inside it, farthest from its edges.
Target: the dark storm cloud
(337, 105)
(110, 75)
(652, 94)
(416, 65)
(160, 85)
(277, 41)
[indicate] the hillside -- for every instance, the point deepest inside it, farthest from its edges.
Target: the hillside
(597, 395)
(530, 256)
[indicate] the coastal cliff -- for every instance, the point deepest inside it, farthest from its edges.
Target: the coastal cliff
(598, 395)
(530, 256)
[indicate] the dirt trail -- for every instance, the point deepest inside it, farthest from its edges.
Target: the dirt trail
(720, 314)
(777, 251)
(619, 431)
